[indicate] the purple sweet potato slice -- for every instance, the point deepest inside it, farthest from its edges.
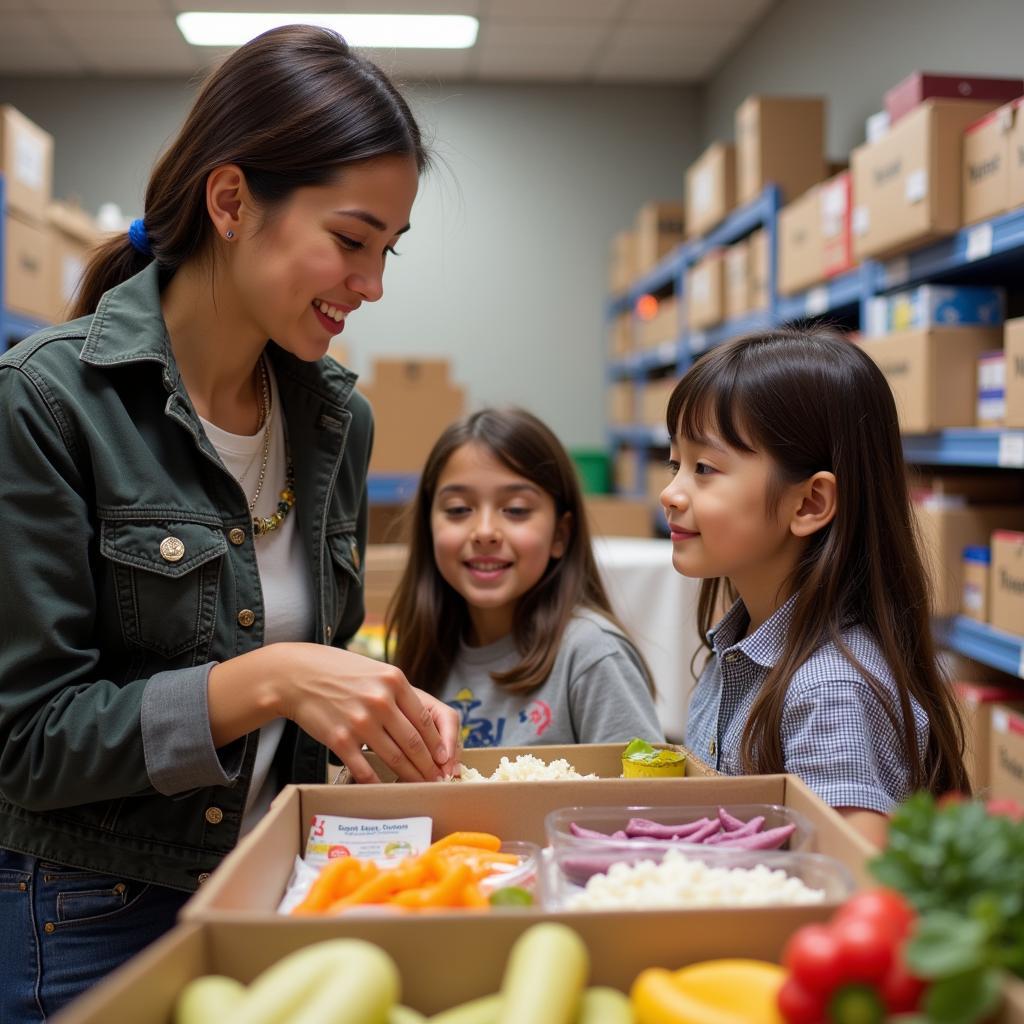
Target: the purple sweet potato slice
(729, 822)
(772, 839)
(641, 828)
(586, 833)
(751, 828)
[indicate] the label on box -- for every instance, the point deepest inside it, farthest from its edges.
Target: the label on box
(382, 841)
(916, 185)
(29, 161)
(974, 599)
(701, 284)
(1011, 450)
(71, 271)
(860, 220)
(833, 202)
(991, 409)
(816, 302)
(702, 188)
(979, 242)
(1000, 720)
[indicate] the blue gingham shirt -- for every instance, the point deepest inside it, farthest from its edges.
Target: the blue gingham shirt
(835, 733)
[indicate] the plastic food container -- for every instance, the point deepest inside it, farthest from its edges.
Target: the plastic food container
(525, 875)
(561, 887)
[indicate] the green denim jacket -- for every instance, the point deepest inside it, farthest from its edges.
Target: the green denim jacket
(106, 760)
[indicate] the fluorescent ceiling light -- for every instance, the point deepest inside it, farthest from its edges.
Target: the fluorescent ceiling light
(422, 31)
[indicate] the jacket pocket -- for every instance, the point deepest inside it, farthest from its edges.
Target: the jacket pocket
(345, 572)
(167, 576)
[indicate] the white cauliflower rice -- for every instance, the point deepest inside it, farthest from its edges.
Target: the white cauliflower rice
(525, 768)
(679, 881)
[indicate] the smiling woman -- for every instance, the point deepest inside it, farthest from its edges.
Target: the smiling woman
(184, 499)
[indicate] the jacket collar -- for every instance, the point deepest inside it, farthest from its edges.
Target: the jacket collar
(765, 645)
(128, 327)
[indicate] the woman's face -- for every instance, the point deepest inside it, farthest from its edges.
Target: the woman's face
(308, 264)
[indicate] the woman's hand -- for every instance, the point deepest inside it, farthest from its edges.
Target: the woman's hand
(341, 699)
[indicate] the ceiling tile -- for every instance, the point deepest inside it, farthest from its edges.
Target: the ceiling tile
(557, 65)
(695, 11)
(337, 7)
(665, 66)
(554, 10)
(657, 39)
(99, 9)
(524, 37)
(421, 64)
(28, 46)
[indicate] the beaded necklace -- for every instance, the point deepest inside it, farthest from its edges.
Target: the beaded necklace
(266, 524)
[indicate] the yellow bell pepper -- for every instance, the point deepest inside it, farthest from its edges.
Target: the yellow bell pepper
(714, 992)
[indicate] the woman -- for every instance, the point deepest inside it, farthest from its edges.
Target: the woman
(185, 517)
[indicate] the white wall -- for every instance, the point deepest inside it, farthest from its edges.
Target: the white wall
(504, 270)
(853, 50)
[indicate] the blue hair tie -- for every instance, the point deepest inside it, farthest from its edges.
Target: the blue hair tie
(139, 237)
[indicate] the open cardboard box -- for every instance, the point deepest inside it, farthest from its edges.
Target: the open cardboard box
(249, 884)
(434, 965)
(601, 759)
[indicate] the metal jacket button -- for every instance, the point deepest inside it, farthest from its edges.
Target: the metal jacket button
(236, 535)
(214, 815)
(203, 877)
(172, 549)
(246, 617)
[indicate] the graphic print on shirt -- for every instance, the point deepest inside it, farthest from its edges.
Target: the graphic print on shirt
(480, 731)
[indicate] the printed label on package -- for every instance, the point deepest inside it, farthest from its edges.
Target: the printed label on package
(379, 840)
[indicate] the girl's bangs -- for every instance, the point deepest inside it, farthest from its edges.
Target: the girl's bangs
(705, 404)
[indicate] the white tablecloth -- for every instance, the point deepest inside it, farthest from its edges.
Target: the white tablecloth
(659, 607)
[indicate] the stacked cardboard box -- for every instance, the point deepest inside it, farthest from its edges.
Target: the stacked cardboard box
(413, 401)
(658, 229)
(977, 701)
(907, 186)
(73, 233)
(1006, 590)
(710, 188)
(661, 325)
(1013, 349)
(705, 291)
(26, 162)
(1006, 755)
(779, 140)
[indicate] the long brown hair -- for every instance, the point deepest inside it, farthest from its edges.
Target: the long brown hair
(290, 108)
(427, 618)
(812, 401)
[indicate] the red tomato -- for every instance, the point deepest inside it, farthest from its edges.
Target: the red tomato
(901, 991)
(866, 948)
(887, 907)
(799, 1005)
(814, 958)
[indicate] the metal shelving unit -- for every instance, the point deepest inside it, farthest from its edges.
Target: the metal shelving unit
(983, 643)
(13, 326)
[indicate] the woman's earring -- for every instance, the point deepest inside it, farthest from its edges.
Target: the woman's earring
(229, 233)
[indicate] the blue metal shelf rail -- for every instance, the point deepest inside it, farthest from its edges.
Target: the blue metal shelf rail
(1002, 449)
(13, 326)
(977, 640)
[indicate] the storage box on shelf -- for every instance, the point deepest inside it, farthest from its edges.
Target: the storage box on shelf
(779, 140)
(26, 267)
(710, 188)
(1013, 350)
(992, 167)
(73, 233)
(801, 243)
(26, 162)
(991, 389)
(1006, 594)
(705, 291)
(657, 230)
(738, 280)
(907, 186)
(977, 702)
(622, 262)
(976, 568)
(658, 324)
(920, 86)
(1006, 755)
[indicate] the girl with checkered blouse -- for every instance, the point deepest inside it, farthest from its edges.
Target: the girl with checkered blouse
(789, 495)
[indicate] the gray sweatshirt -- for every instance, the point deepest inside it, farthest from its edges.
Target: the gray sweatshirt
(596, 692)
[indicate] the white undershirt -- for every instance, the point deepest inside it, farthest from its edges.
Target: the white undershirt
(284, 574)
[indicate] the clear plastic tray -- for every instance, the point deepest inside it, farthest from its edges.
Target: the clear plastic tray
(578, 857)
(825, 874)
(525, 875)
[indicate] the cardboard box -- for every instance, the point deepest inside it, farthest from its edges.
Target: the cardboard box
(907, 186)
(935, 305)
(876, 126)
(621, 335)
(710, 188)
(73, 233)
(654, 396)
(1006, 757)
(1015, 158)
(658, 229)
(977, 701)
(413, 401)
(621, 395)
(660, 328)
(705, 291)
(986, 165)
(779, 139)
(625, 471)
(976, 568)
(801, 243)
(250, 882)
(610, 515)
(1006, 596)
(384, 565)
(26, 162)
(738, 280)
(1013, 349)
(760, 284)
(945, 529)
(932, 373)
(622, 262)
(27, 278)
(920, 86)
(836, 211)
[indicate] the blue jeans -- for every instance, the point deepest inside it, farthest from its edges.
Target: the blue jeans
(63, 929)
